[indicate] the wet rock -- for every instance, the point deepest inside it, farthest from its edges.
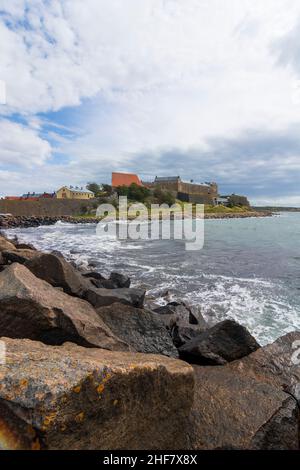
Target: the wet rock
(119, 280)
(236, 411)
(55, 270)
(102, 297)
(19, 256)
(32, 308)
(224, 342)
(69, 397)
(141, 329)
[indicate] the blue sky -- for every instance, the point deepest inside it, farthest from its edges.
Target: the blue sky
(209, 90)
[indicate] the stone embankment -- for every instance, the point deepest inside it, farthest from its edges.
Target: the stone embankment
(11, 221)
(86, 365)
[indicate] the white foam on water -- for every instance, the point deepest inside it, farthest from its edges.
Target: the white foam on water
(261, 304)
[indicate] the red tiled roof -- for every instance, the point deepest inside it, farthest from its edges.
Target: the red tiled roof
(124, 179)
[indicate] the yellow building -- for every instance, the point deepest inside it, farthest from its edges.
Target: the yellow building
(74, 193)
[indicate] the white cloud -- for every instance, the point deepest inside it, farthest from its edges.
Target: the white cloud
(161, 74)
(20, 145)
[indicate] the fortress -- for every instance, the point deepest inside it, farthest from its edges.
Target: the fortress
(204, 193)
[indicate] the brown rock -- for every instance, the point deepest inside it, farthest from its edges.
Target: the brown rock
(59, 273)
(69, 397)
(32, 308)
(235, 411)
(5, 244)
(277, 363)
(141, 329)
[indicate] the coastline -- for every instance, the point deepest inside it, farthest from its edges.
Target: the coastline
(8, 222)
(118, 344)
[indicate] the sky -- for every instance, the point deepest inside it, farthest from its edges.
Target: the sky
(205, 89)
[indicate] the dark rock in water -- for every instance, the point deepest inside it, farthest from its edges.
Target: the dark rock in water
(19, 256)
(224, 342)
(93, 275)
(277, 363)
(103, 297)
(232, 410)
(119, 280)
(115, 280)
(183, 321)
(32, 308)
(72, 398)
(141, 329)
(59, 273)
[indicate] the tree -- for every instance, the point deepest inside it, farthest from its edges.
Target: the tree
(134, 192)
(94, 187)
(107, 188)
(164, 197)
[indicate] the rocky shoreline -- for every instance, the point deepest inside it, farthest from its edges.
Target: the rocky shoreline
(7, 222)
(86, 363)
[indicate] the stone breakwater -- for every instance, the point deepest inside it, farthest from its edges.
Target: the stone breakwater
(35, 221)
(88, 362)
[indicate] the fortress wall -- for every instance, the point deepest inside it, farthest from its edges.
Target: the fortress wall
(46, 207)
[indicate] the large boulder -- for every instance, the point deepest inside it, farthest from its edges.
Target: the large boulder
(58, 272)
(32, 308)
(19, 256)
(141, 329)
(6, 244)
(69, 397)
(102, 297)
(277, 363)
(224, 342)
(233, 410)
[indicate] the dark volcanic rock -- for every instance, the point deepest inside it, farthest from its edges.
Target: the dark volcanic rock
(233, 410)
(142, 330)
(73, 398)
(224, 342)
(32, 308)
(103, 297)
(59, 273)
